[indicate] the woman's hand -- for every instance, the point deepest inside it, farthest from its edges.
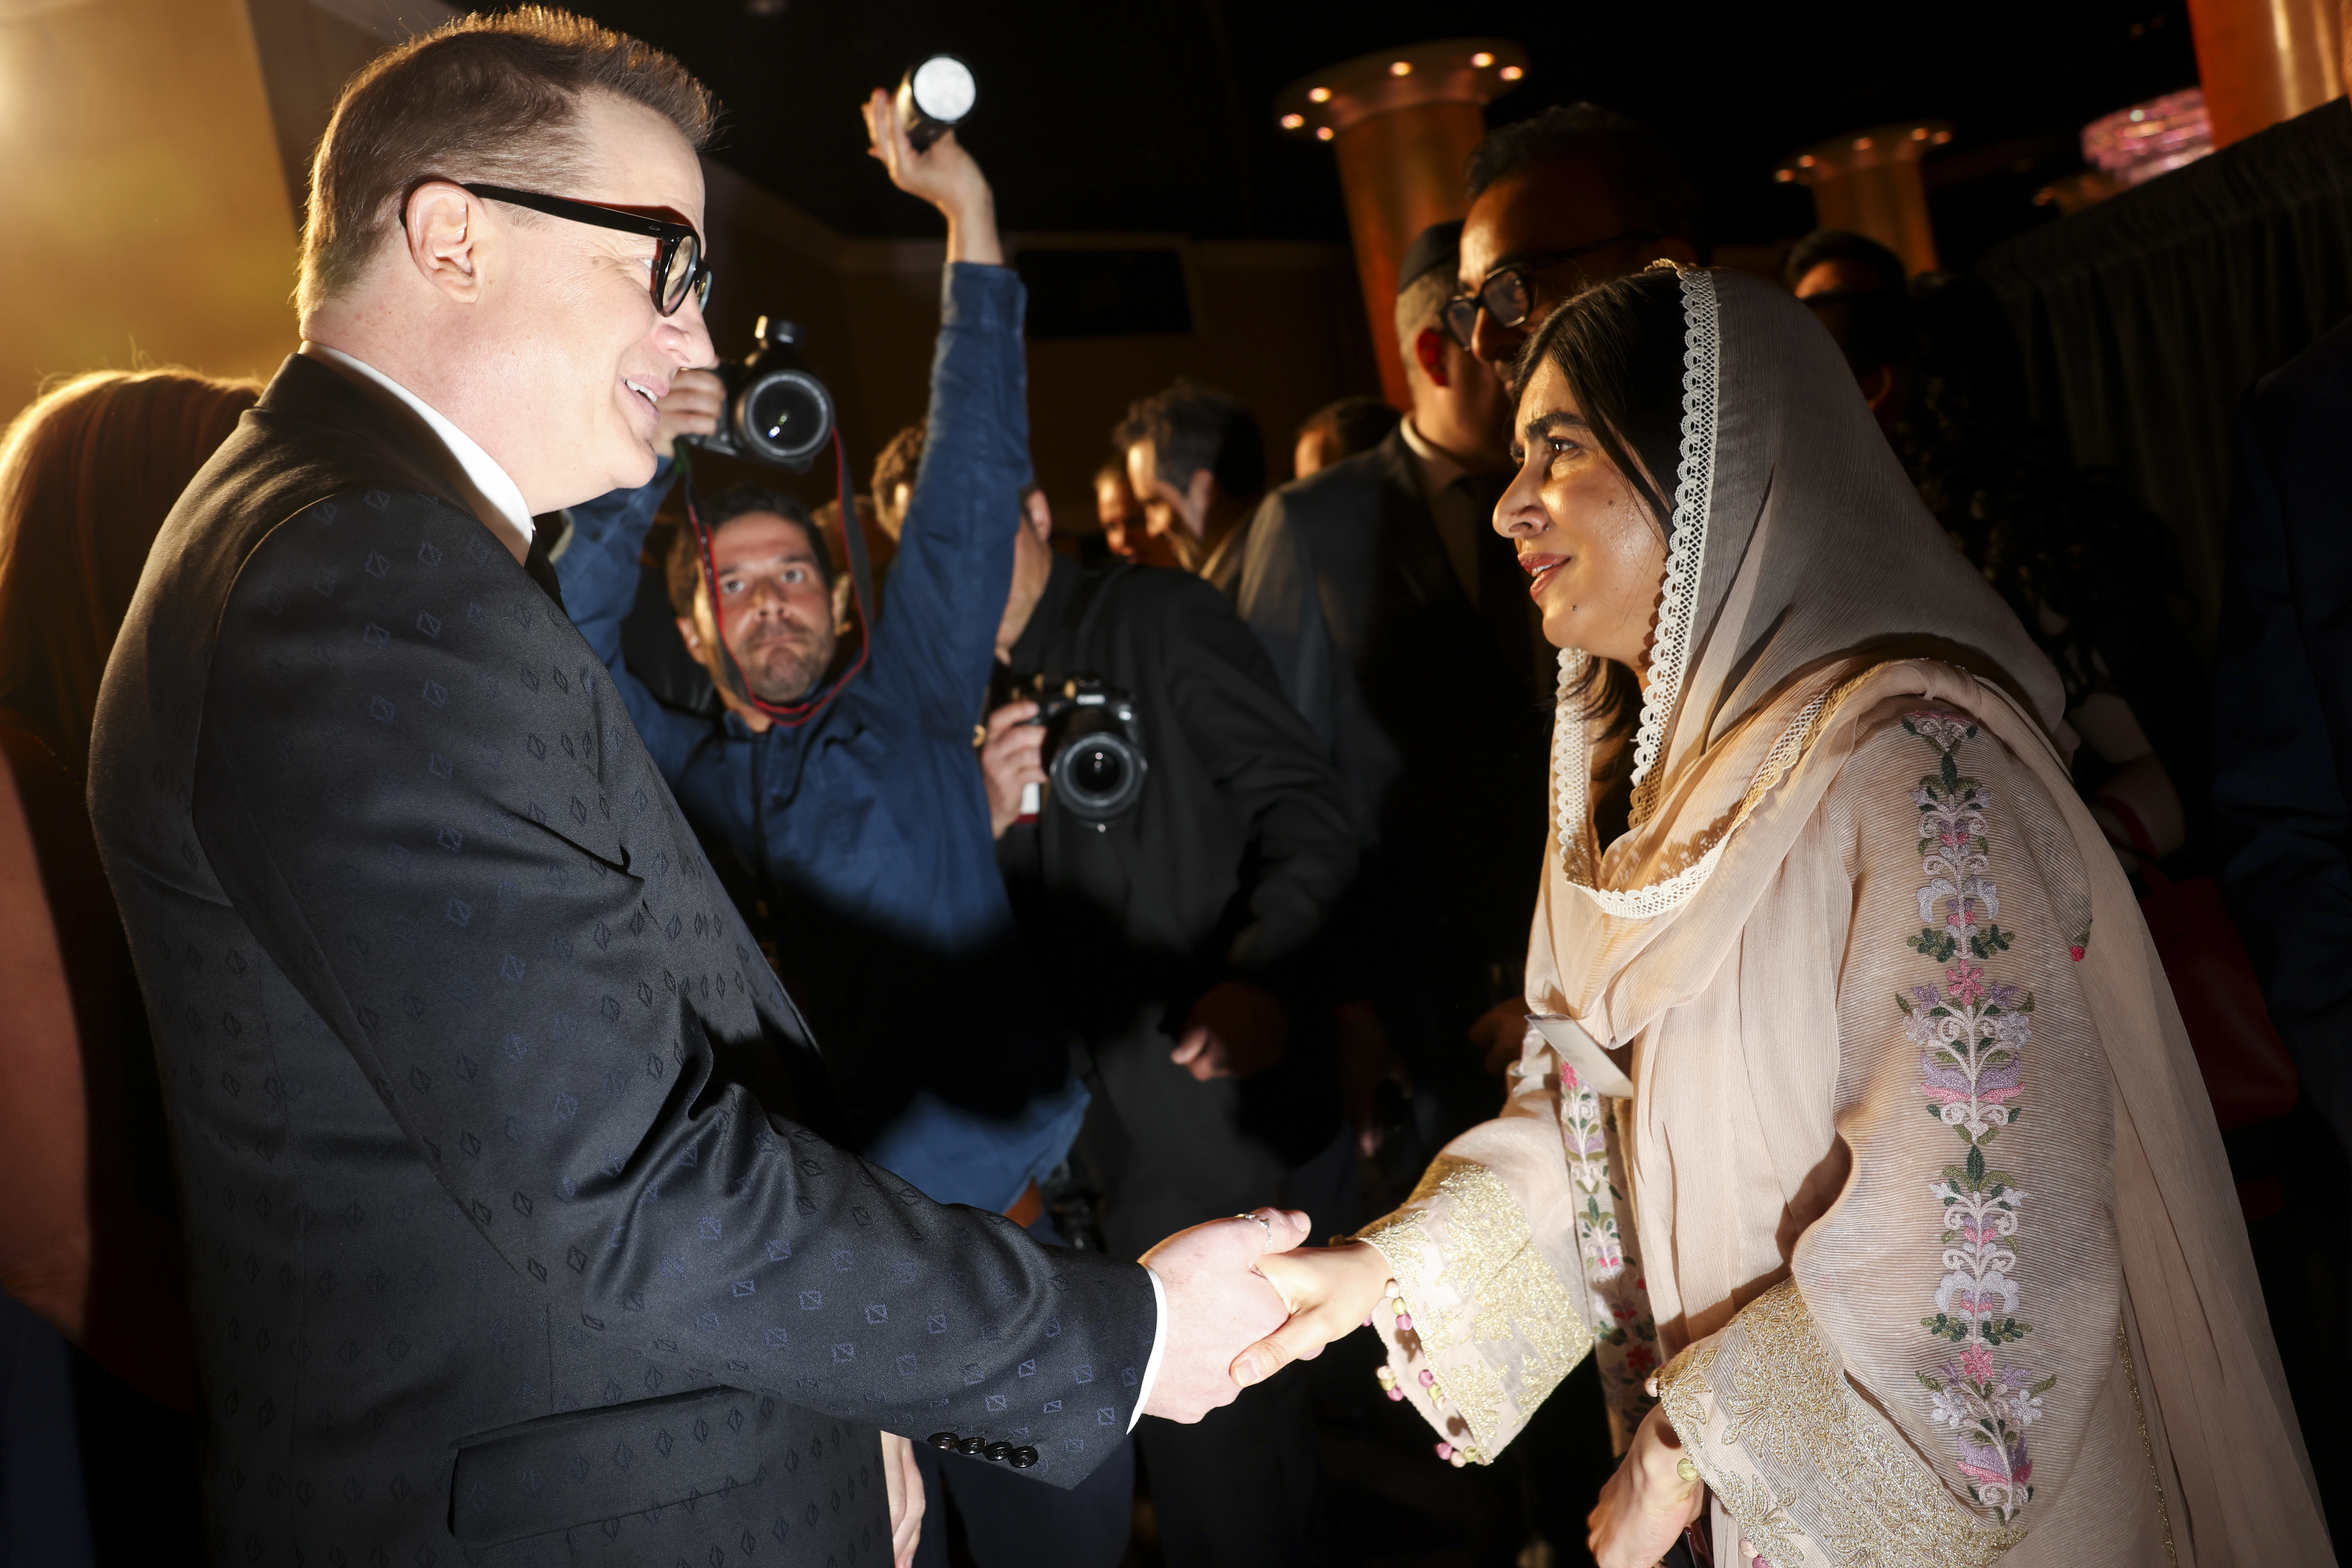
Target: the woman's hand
(1648, 1502)
(943, 175)
(902, 1483)
(1330, 1290)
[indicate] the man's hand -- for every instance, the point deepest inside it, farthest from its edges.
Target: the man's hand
(1012, 756)
(1217, 1303)
(1331, 1291)
(942, 174)
(1232, 1031)
(1647, 1503)
(902, 1483)
(697, 399)
(1499, 1032)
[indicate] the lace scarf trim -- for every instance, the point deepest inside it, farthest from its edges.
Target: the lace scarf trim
(1572, 803)
(1686, 553)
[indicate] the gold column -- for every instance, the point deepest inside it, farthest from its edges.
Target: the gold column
(1403, 123)
(2261, 61)
(1868, 182)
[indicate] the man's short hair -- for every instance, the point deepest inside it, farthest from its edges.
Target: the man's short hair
(1643, 172)
(683, 564)
(1420, 305)
(484, 98)
(1357, 424)
(1190, 427)
(1841, 245)
(900, 462)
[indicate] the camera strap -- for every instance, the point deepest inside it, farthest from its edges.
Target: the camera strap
(793, 715)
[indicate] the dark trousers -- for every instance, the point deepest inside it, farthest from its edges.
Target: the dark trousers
(1238, 1489)
(1012, 1520)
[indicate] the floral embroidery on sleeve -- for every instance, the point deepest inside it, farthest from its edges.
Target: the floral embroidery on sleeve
(1972, 1032)
(1625, 1337)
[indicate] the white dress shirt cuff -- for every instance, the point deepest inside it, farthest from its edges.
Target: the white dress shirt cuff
(1158, 1344)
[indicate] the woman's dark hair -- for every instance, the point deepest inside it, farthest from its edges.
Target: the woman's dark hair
(1619, 347)
(88, 473)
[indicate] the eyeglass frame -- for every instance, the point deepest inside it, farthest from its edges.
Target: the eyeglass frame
(666, 234)
(1518, 272)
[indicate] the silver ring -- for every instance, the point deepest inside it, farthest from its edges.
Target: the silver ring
(1259, 1221)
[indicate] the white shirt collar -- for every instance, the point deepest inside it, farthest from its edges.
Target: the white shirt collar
(494, 497)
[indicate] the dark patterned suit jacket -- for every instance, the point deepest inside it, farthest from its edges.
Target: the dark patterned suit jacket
(511, 1240)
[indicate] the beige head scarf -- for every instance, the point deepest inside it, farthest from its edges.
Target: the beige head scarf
(1807, 594)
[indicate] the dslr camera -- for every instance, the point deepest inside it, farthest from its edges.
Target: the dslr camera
(777, 411)
(1094, 748)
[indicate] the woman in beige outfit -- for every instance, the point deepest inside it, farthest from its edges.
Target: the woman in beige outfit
(1852, 1092)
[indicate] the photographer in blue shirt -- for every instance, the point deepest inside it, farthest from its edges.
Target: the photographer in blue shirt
(860, 837)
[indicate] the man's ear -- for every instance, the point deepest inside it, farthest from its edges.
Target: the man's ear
(1037, 514)
(1429, 347)
(691, 636)
(442, 228)
(1878, 386)
(1199, 491)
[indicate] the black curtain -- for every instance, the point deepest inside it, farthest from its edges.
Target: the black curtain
(2144, 319)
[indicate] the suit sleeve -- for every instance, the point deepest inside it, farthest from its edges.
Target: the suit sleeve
(2280, 812)
(1268, 771)
(416, 786)
(1280, 600)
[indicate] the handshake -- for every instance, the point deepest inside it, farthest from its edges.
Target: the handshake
(1246, 1298)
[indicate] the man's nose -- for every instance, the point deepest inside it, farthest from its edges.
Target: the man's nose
(684, 337)
(1497, 345)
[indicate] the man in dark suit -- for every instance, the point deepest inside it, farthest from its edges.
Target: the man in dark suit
(2283, 718)
(1399, 623)
(513, 1231)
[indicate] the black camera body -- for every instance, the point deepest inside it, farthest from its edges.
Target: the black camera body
(777, 412)
(1094, 747)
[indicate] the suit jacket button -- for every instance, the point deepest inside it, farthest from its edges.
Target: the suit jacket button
(999, 1452)
(971, 1445)
(1022, 1458)
(941, 1439)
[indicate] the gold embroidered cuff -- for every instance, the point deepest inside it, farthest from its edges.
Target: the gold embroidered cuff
(1811, 1472)
(1481, 1330)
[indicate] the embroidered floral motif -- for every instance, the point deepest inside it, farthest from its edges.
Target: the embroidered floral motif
(1972, 1032)
(1624, 1334)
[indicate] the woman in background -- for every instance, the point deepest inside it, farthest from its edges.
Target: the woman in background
(89, 1242)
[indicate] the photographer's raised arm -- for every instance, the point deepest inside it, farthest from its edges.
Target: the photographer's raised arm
(954, 566)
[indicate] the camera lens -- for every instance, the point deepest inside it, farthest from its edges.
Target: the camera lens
(1098, 770)
(786, 415)
(1098, 777)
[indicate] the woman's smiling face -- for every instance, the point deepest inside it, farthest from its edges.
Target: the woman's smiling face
(1595, 557)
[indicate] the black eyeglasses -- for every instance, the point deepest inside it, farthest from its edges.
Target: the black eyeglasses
(678, 266)
(1508, 295)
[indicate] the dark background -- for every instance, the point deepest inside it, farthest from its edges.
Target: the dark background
(1158, 116)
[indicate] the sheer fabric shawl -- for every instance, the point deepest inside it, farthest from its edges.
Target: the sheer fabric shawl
(1853, 1086)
